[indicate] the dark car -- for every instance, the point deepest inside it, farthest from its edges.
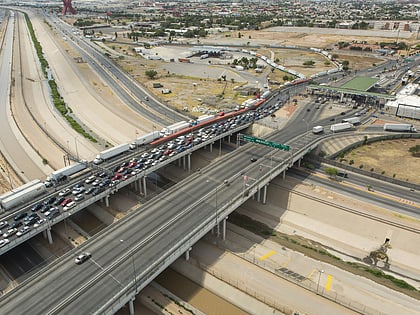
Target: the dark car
(15, 224)
(254, 159)
(50, 201)
(89, 190)
(342, 113)
(105, 183)
(36, 207)
(20, 216)
(52, 212)
(31, 221)
(59, 201)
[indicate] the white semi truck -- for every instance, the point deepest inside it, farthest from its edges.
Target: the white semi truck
(399, 127)
(352, 120)
(111, 152)
(63, 173)
(147, 138)
(23, 196)
(346, 126)
(174, 128)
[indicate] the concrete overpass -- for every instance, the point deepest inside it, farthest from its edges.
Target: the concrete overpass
(133, 251)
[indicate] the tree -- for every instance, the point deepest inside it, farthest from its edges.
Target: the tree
(151, 74)
(415, 151)
(309, 63)
(331, 171)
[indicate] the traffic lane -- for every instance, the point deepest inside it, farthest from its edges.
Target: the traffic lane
(361, 192)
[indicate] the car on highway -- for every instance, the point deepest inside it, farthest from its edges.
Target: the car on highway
(10, 232)
(20, 216)
(65, 202)
(39, 222)
(23, 231)
(59, 201)
(15, 224)
(79, 197)
(90, 179)
(50, 200)
(78, 191)
(253, 159)
(80, 259)
(3, 224)
(37, 207)
(97, 182)
(31, 220)
(64, 192)
(70, 205)
(89, 190)
(4, 242)
(52, 212)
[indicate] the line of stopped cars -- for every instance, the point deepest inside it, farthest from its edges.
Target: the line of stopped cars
(40, 212)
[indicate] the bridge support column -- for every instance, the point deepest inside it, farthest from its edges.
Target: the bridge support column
(211, 147)
(49, 236)
(183, 162)
(299, 162)
(189, 162)
(224, 229)
(144, 186)
(284, 174)
(259, 195)
(107, 201)
(131, 306)
(187, 254)
(138, 185)
(264, 196)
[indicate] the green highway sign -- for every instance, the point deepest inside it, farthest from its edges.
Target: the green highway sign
(266, 142)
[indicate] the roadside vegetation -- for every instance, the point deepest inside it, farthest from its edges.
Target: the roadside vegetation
(55, 94)
(318, 252)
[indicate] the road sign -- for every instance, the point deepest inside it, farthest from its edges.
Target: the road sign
(266, 142)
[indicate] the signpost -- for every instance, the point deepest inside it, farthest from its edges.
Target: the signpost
(266, 142)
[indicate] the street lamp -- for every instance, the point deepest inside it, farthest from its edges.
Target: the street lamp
(307, 125)
(134, 268)
(320, 271)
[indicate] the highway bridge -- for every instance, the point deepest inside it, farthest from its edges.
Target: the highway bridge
(133, 251)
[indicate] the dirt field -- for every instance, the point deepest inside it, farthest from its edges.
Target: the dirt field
(380, 157)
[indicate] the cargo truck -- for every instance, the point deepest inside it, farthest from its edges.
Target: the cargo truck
(147, 138)
(62, 174)
(174, 128)
(400, 127)
(111, 152)
(346, 126)
(19, 189)
(23, 196)
(317, 129)
(352, 120)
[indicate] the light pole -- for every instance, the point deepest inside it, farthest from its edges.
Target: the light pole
(307, 125)
(134, 268)
(320, 271)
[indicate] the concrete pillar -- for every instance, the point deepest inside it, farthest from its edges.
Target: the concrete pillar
(187, 255)
(49, 236)
(259, 195)
(284, 174)
(131, 306)
(224, 229)
(299, 162)
(139, 185)
(189, 162)
(264, 197)
(107, 200)
(44, 233)
(144, 186)
(218, 229)
(211, 147)
(183, 162)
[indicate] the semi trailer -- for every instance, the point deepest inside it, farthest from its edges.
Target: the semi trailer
(111, 152)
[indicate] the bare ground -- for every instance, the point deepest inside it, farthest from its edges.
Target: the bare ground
(390, 158)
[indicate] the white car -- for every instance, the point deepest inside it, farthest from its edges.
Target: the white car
(64, 192)
(23, 230)
(4, 242)
(39, 222)
(90, 179)
(79, 197)
(69, 206)
(80, 259)
(10, 232)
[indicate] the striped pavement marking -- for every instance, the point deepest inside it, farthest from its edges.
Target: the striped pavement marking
(329, 282)
(270, 253)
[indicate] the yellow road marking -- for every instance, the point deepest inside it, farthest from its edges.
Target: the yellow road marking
(329, 282)
(270, 253)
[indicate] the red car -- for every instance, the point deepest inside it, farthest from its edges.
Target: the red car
(167, 152)
(116, 177)
(65, 202)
